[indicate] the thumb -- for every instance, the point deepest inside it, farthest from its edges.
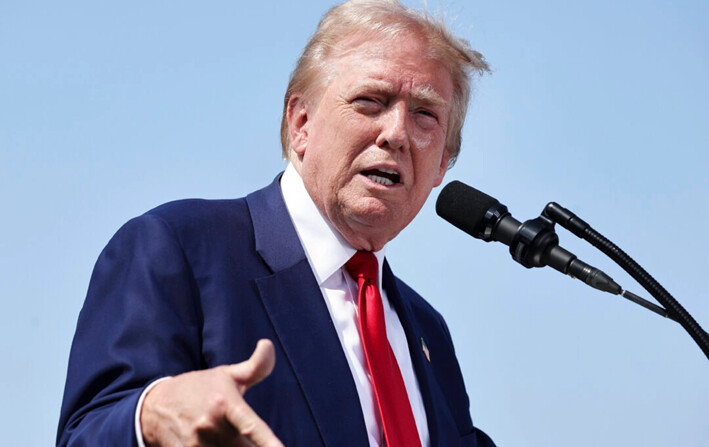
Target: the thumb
(259, 366)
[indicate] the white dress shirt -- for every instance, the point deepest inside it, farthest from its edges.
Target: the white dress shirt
(327, 252)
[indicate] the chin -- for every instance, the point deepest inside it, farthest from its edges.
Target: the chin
(385, 224)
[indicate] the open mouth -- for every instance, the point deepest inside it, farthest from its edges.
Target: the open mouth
(386, 177)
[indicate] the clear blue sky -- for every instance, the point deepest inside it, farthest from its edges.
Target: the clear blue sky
(109, 109)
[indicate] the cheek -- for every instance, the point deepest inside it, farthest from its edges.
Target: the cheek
(360, 127)
(428, 149)
(432, 167)
(441, 173)
(422, 140)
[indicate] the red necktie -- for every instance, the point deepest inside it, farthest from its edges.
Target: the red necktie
(389, 389)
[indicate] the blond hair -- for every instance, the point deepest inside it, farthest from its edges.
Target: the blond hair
(367, 19)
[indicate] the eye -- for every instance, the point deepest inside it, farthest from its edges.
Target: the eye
(368, 104)
(426, 118)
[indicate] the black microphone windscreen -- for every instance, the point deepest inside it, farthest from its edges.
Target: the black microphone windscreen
(464, 206)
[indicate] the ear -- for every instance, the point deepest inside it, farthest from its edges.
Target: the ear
(442, 169)
(297, 117)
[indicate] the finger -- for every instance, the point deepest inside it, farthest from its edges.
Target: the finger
(251, 427)
(256, 368)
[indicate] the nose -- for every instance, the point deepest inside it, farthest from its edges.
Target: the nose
(394, 133)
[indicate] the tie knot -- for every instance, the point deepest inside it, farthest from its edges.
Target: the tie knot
(363, 265)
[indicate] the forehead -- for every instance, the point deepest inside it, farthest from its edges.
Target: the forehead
(392, 63)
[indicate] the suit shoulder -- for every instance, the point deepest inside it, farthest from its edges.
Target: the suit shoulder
(188, 215)
(186, 210)
(190, 223)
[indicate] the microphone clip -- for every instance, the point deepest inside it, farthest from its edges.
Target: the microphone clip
(533, 241)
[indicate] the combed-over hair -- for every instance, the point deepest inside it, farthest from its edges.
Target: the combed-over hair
(367, 19)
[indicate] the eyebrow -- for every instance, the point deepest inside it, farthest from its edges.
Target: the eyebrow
(425, 94)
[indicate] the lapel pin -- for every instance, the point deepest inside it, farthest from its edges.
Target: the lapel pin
(424, 348)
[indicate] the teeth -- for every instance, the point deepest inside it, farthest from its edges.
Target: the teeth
(381, 180)
(389, 171)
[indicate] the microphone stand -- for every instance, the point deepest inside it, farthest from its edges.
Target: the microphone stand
(673, 309)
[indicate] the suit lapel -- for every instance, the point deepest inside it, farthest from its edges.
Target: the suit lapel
(295, 305)
(430, 392)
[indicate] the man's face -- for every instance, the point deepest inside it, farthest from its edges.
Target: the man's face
(371, 147)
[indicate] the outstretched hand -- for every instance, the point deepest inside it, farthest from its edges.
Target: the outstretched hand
(207, 408)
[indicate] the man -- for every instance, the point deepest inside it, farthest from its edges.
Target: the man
(181, 295)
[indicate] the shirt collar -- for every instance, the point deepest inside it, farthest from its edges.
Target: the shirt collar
(326, 249)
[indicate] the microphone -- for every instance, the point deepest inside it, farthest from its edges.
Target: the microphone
(532, 243)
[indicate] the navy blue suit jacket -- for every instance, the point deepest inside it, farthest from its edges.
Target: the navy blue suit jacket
(195, 284)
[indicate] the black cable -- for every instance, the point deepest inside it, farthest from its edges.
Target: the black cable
(675, 311)
(648, 305)
(673, 307)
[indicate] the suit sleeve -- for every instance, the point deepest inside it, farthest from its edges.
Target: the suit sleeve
(141, 321)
